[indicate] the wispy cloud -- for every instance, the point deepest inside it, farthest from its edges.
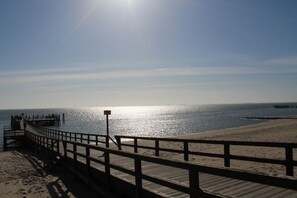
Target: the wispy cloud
(73, 75)
(291, 60)
(85, 73)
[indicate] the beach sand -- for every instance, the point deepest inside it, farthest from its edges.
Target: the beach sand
(22, 176)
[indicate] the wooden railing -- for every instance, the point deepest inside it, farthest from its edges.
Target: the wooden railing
(288, 162)
(73, 136)
(193, 188)
(7, 128)
(11, 137)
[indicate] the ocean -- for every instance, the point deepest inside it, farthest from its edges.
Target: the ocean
(156, 121)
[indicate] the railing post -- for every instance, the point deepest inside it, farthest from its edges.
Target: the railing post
(47, 144)
(118, 139)
(58, 147)
(107, 169)
(75, 137)
(74, 155)
(157, 147)
(88, 138)
(52, 146)
(186, 150)
(81, 138)
(107, 141)
(194, 183)
(88, 160)
(227, 154)
(138, 176)
(65, 148)
(289, 161)
(135, 145)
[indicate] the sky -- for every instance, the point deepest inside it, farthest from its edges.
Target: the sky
(74, 53)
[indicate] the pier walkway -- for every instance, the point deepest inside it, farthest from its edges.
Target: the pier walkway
(115, 172)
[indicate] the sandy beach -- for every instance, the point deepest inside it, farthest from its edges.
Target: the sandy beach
(22, 174)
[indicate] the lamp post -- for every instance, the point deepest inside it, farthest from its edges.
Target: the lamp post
(107, 113)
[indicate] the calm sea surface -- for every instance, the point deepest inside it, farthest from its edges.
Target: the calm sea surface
(155, 120)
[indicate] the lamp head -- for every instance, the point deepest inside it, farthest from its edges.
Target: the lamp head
(107, 112)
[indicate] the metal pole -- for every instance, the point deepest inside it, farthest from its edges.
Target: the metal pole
(107, 112)
(107, 126)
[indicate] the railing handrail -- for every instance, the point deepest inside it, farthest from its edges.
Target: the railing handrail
(206, 141)
(193, 189)
(79, 137)
(289, 162)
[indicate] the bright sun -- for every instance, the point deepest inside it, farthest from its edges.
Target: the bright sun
(129, 2)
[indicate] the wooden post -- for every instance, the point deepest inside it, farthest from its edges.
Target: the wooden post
(65, 147)
(289, 161)
(58, 147)
(186, 150)
(96, 140)
(47, 144)
(138, 177)
(118, 139)
(52, 146)
(107, 141)
(88, 138)
(157, 146)
(75, 137)
(227, 154)
(74, 155)
(135, 145)
(194, 183)
(88, 161)
(107, 170)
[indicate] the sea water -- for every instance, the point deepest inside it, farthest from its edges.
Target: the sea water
(158, 121)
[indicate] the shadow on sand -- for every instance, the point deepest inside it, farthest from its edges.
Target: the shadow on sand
(67, 184)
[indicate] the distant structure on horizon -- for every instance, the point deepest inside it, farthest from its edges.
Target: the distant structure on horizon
(278, 106)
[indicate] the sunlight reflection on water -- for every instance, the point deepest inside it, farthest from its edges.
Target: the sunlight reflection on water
(156, 120)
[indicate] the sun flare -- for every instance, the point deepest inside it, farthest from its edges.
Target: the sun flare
(129, 3)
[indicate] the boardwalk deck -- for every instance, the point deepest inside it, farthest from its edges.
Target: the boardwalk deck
(218, 185)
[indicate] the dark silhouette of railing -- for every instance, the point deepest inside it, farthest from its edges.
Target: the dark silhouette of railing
(52, 145)
(288, 162)
(73, 136)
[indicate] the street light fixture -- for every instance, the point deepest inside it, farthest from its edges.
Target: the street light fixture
(107, 113)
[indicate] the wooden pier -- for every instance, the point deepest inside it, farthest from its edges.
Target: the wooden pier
(13, 134)
(115, 172)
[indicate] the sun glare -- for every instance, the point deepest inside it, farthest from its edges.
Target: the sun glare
(129, 3)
